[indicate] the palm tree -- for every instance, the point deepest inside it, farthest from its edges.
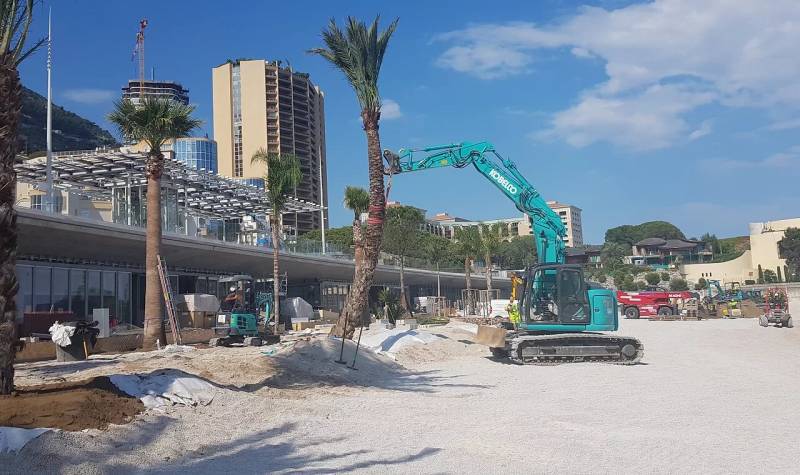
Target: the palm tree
(281, 177)
(356, 199)
(490, 240)
(469, 246)
(358, 53)
(15, 20)
(436, 249)
(154, 122)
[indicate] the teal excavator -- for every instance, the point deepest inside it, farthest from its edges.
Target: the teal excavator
(561, 314)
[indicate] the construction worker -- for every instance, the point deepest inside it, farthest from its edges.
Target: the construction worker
(513, 314)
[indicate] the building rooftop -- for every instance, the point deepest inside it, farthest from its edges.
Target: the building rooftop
(556, 204)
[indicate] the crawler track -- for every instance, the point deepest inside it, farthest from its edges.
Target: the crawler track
(569, 348)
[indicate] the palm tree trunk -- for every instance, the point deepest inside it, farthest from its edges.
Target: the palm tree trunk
(358, 242)
(276, 278)
(468, 304)
(438, 281)
(489, 274)
(10, 92)
(357, 298)
(403, 296)
(153, 298)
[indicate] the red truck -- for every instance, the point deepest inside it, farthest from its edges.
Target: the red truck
(651, 303)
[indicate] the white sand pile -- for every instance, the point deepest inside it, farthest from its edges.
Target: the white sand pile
(390, 341)
(462, 326)
(314, 362)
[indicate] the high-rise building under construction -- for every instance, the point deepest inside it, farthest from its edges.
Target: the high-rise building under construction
(262, 104)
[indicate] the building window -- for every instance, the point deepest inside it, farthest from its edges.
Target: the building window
(41, 289)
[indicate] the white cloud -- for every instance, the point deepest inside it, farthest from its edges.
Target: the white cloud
(702, 131)
(745, 55)
(785, 125)
(390, 109)
(643, 121)
(88, 96)
(785, 159)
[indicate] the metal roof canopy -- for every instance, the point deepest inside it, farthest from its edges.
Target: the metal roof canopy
(96, 173)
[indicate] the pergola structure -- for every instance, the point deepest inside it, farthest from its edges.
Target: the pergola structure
(97, 173)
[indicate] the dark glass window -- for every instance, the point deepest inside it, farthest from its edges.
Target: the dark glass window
(93, 295)
(25, 292)
(77, 293)
(60, 290)
(41, 289)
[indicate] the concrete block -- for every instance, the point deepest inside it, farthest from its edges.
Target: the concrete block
(300, 326)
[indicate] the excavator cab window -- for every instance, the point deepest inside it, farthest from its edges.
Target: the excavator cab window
(554, 295)
(572, 297)
(541, 296)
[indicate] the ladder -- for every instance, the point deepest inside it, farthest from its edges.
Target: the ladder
(169, 300)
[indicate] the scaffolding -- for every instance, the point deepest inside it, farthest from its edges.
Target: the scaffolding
(478, 302)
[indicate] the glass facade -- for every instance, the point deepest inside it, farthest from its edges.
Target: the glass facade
(257, 182)
(63, 289)
(198, 153)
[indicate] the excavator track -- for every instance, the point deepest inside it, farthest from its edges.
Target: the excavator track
(563, 348)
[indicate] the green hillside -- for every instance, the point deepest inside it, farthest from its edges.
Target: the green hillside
(70, 131)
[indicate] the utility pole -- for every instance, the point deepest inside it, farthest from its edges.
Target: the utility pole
(49, 169)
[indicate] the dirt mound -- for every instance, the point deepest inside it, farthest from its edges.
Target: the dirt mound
(90, 404)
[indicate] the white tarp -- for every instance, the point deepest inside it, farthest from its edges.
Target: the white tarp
(165, 388)
(297, 309)
(197, 302)
(391, 341)
(12, 439)
(499, 308)
(61, 334)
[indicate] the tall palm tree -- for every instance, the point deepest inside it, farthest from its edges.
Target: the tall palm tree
(356, 199)
(15, 21)
(469, 244)
(490, 241)
(358, 53)
(281, 177)
(154, 122)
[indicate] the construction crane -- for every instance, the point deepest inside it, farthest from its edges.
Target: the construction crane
(138, 52)
(560, 312)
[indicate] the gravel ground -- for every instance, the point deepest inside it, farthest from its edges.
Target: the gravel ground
(715, 396)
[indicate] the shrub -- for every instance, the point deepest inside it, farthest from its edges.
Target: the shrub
(652, 278)
(602, 278)
(641, 285)
(664, 276)
(678, 284)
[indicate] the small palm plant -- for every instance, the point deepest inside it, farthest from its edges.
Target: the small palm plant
(356, 199)
(281, 178)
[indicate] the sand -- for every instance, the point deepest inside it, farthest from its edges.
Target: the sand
(90, 404)
(716, 396)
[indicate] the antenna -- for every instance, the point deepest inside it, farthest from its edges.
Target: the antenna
(49, 204)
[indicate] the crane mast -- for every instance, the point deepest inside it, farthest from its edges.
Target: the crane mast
(139, 53)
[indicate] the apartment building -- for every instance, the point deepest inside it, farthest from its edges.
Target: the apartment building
(262, 104)
(571, 218)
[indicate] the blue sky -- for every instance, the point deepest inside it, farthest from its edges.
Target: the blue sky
(674, 109)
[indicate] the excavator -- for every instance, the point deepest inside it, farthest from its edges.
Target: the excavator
(561, 314)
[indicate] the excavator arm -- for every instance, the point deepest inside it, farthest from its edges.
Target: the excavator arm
(548, 230)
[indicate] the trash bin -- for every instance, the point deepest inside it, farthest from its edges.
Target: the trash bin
(77, 350)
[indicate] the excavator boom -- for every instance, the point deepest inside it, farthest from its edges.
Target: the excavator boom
(558, 309)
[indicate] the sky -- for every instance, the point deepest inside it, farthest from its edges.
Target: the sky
(671, 110)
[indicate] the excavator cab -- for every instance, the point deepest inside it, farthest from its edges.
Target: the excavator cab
(555, 294)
